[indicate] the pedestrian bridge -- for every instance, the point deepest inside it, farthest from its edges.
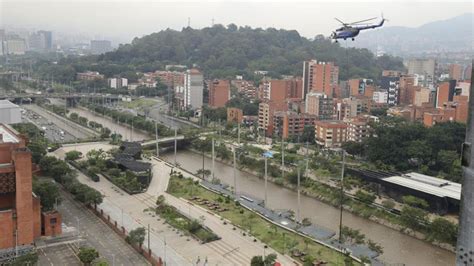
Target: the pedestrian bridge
(163, 140)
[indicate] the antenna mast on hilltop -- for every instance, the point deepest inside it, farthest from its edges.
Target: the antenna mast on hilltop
(189, 22)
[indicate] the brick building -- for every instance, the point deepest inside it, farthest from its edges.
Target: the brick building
(291, 124)
(20, 210)
(247, 88)
(234, 115)
(456, 110)
(455, 71)
(320, 77)
(278, 90)
(445, 92)
(265, 115)
(219, 93)
(359, 87)
(89, 76)
(319, 104)
(358, 128)
(330, 134)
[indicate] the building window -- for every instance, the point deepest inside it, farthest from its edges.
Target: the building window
(53, 220)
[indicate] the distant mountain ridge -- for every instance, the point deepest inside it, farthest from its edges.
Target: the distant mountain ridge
(451, 35)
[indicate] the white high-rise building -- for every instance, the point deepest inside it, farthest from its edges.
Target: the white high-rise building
(193, 89)
(117, 83)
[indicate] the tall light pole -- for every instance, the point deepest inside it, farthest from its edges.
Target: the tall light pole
(175, 144)
(235, 172)
(465, 243)
(156, 137)
(342, 194)
(299, 196)
(213, 159)
(238, 133)
(266, 155)
(282, 157)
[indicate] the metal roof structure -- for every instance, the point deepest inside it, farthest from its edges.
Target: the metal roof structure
(8, 135)
(427, 184)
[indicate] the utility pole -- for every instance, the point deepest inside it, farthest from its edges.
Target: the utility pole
(148, 236)
(238, 133)
(282, 157)
(235, 174)
(156, 137)
(299, 195)
(307, 162)
(266, 179)
(213, 159)
(465, 243)
(342, 194)
(175, 144)
(131, 132)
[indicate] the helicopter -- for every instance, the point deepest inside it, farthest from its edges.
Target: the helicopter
(351, 30)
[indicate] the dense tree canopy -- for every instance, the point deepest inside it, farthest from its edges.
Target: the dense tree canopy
(223, 52)
(412, 146)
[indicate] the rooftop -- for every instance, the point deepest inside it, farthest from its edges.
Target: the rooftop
(7, 104)
(8, 135)
(427, 184)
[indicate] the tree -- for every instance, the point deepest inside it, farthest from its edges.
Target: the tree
(73, 155)
(160, 200)
(256, 261)
(136, 236)
(48, 192)
(308, 134)
(415, 202)
(206, 173)
(389, 204)
(442, 230)
(354, 148)
(87, 255)
(27, 259)
(365, 197)
(413, 218)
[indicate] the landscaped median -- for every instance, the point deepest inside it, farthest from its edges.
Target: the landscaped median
(281, 240)
(181, 222)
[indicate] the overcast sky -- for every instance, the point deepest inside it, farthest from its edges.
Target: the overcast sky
(122, 20)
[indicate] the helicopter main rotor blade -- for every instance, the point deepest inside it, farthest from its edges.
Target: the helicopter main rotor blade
(340, 21)
(362, 21)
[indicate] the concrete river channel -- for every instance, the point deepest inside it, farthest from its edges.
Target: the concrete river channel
(399, 248)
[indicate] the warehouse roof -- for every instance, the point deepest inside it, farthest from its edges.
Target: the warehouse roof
(427, 184)
(7, 104)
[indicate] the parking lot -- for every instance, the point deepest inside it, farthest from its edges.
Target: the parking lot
(58, 255)
(97, 234)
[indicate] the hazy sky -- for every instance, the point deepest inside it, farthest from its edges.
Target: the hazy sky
(124, 19)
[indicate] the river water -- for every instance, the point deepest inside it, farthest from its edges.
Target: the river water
(398, 247)
(122, 129)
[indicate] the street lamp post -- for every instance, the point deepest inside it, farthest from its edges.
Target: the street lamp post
(213, 159)
(175, 144)
(235, 172)
(266, 155)
(342, 194)
(266, 178)
(299, 196)
(282, 157)
(156, 137)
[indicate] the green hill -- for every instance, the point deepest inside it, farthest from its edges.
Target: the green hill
(223, 52)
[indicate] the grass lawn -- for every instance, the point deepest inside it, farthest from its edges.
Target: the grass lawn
(281, 240)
